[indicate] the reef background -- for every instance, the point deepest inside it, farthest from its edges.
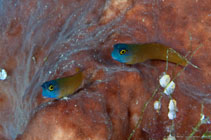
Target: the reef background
(43, 40)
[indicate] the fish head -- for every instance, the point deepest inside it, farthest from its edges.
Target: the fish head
(50, 89)
(122, 53)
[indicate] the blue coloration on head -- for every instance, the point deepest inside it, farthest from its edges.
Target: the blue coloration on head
(50, 89)
(123, 58)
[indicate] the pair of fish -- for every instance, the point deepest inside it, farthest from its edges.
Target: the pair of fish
(124, 53)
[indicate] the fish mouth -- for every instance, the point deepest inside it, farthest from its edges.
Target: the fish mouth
(113, 56)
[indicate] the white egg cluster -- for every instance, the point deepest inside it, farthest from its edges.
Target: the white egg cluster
(169, 87)
(167, 84)
(3, 74)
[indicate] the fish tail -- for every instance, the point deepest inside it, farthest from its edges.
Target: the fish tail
(175, 57)
(193, 65)
(181, 59)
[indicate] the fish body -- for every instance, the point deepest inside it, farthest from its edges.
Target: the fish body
(137, 53)
(63, 86)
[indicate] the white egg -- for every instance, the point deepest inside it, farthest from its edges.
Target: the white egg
(169, 88)
(3, 74)
(157, 105)
(172, 105)
(164, 80)
(172, 115)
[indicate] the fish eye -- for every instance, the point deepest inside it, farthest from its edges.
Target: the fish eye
(50, 87)
(123, 51)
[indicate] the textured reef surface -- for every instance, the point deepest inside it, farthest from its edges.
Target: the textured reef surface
(44, 40)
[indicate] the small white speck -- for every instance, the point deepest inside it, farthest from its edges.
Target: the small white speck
(100, 60)
(172, 115)
(45, 58)
(143, 19)
(205, 120)
(170, 137)
(49, 72)
(49, 103)
(169, 88)
(157, 105)
(99, 80)
(106, 69)
(164, 80)
(3, 74)
(169, 128)
(202, 117)
(34, 59)
(75, 105)
(135, 118)
(64, 67)
(136, 101)
(65, 98)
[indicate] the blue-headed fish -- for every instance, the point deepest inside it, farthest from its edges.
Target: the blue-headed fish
(137, 53)
(63, 86)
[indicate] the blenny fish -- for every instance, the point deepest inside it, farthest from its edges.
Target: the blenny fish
(137, 53)
(63, 86)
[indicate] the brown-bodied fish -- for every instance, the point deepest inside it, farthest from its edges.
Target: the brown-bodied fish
(63, 86)
(137, 53)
